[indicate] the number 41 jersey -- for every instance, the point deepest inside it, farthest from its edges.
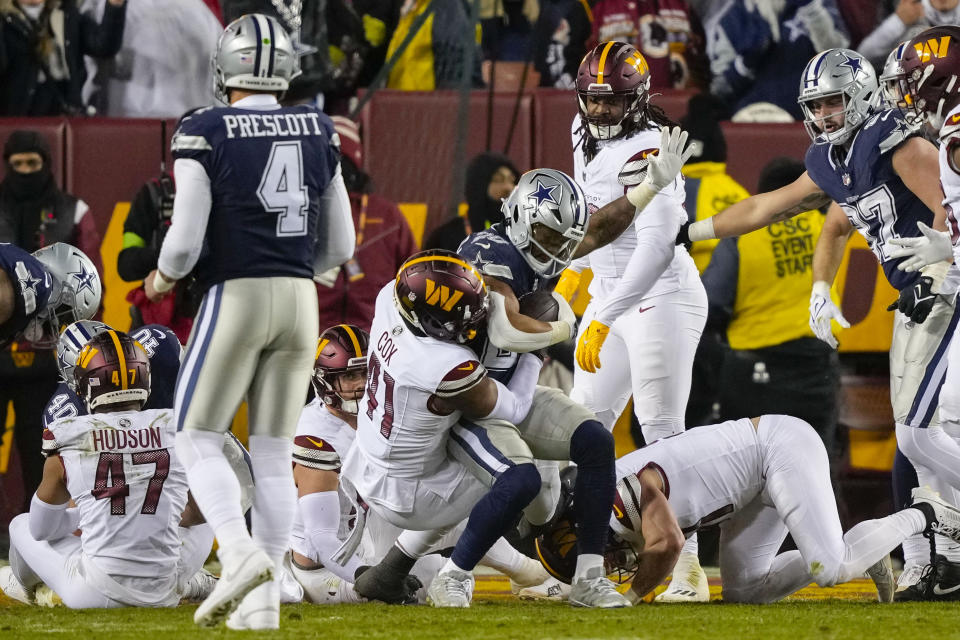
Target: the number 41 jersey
(122, 473)
(268, 167)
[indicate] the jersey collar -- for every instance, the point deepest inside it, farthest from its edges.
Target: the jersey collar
(258, 102)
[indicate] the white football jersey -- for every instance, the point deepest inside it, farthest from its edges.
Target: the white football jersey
(322, 442)
(621, 164)
(398, 434)
(123, 474)
(709, 473)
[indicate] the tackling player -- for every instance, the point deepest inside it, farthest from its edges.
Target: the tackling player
(758, 479)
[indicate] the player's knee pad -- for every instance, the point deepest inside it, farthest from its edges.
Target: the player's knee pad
(592, 445)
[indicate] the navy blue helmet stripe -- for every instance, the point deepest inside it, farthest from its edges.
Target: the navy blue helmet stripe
(273, 49)
(256, 60)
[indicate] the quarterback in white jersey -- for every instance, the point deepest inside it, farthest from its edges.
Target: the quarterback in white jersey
(759, 479)
(119, 468)
(647, 310)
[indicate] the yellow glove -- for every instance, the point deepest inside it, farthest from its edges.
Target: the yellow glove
(588, 350)
(568, 284)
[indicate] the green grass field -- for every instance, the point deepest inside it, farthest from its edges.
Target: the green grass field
(842, 612)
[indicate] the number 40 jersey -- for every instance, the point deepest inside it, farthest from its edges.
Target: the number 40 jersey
(268, 167)
(122, 473)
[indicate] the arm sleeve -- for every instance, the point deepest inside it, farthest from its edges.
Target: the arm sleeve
(191, 211)
(321, 520)
(656, 234)
(720, 277)
(336, 237)
(514, 400)
(52, 521)
(504, 335)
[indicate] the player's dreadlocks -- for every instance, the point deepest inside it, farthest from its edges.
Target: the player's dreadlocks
(653, 116)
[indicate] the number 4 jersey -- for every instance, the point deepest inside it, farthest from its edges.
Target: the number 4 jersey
(123, 475)
(268, 167)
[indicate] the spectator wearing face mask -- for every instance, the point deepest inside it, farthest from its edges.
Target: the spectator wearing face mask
(42, 45)
(490, 177)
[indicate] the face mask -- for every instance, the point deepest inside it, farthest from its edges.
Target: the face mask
(28, 186)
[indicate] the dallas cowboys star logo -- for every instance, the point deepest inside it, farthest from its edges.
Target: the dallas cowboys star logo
(29, 281)
(544, 192)
(84, 278)
(854, 64)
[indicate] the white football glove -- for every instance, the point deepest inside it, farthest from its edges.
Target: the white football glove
(822, 311)
(933, 246)
(664, 167)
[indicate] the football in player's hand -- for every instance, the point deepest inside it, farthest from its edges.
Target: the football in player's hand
(540, 305)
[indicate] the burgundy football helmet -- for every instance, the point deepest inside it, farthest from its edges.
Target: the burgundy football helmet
(442, 295)
(111, 369)
(931, 74)
(618, 71)
(341, 349)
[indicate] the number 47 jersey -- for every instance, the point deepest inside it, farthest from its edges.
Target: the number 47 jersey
(122, 473)
(268, 167)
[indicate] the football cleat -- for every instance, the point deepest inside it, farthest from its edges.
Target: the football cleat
(596, 591)
(550, 589)
(939, 582)
(243, 570)
(688, 583)
(11, 587)
(199, 586)
(451, 589)
(942, 517)
(882, 575)
(259, 610)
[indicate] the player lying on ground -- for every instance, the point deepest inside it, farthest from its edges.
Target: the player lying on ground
(758, 479)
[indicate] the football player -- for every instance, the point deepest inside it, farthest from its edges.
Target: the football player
(647, 310)
(43, 291)
(325, 435)
(930, 94)
(400, 465)
(885, 178)
(260, 208)
(758, 479)
(119, 467)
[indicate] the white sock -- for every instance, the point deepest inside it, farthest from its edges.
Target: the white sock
(691, 546)
(504, 558)
(916, 551)
(450, 565)
(585, 562)
(275, 494)
(213, 485)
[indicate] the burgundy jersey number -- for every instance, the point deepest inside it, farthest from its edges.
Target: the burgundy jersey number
(110, 481)
(374, 371)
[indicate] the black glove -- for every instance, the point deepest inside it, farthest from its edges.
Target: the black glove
(683, 236)
(916, 302)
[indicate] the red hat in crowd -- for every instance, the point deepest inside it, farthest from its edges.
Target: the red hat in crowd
(350, 143)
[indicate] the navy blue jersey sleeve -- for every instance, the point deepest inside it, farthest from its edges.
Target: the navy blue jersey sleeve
(163, 349)
(492, 253)
(63, 404)
(196, 136)
(32, 288)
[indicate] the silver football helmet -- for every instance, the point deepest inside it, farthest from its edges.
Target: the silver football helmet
(75, 294)
(890, 95)
(546, 218)
(837, 72)
(254, 52)
(74, 338)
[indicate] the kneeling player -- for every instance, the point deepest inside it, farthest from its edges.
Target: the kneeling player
(119, 468)
(758, 479)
